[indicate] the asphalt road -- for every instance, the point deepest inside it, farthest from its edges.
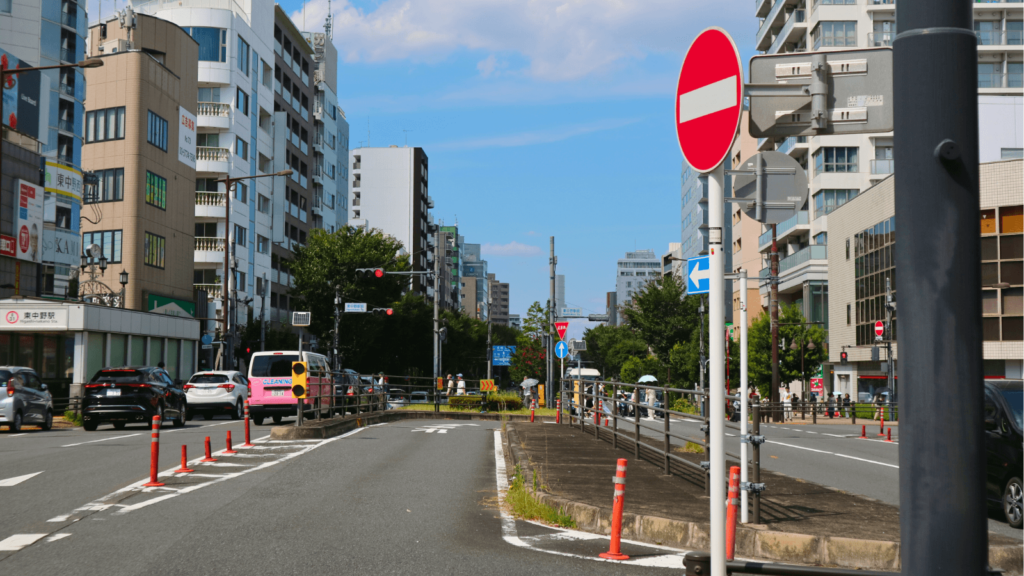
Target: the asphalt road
(413, 497)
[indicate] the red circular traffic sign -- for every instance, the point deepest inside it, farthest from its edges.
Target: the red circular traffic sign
(709, 99)
(879, 328)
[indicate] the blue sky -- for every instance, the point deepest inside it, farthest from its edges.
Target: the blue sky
(541, 118)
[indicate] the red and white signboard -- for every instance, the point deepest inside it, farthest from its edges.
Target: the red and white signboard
(709, 99)
(561, 327)
(879, 328)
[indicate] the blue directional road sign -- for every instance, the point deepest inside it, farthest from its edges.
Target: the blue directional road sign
(698, 275)
(503, 355)
(561, 350)
(206, 339)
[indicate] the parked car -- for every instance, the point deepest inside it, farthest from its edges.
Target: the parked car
(133, 394)
(24, 399)
(217, 392)
(346, 386)
(419, 398)
(1004, 443)
(270, 382)
(397, 398)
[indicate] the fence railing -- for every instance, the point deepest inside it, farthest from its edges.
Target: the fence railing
(812, 411)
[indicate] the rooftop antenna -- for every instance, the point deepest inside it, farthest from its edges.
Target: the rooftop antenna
(367, 131)
(406, 136)
(329, 23)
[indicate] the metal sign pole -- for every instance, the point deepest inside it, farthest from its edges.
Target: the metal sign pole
(744, 394)
(716, 384)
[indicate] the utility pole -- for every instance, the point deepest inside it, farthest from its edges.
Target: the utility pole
(490, 348)
(942, 475)
(744, 395)
(773, 310)
(263, 314)
(438, 250)
(716, 372)
(890, 371)
(549, 390)
(703, 360)
(337, 322)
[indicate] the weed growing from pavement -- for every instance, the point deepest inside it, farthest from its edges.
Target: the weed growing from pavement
(525, 505)
(691, 448)
(73, 417)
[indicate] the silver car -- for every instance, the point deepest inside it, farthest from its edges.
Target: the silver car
(24, 399)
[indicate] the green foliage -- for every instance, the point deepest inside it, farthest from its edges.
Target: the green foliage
(791, 330)
(608, 348)
(536, 322)
(636, 367)
(504, 401)
(661, 316)
(465, 402)
(529, 361)
(525, 505)
(73, 417)
(683, 405)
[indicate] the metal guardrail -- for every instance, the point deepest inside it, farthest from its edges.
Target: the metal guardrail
(806, 410)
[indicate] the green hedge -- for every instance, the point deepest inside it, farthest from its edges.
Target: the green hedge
(499, 401)
(464, 402)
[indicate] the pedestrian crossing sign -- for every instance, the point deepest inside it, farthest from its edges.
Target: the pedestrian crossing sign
(487, 386)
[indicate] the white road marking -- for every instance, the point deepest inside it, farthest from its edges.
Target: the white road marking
(61, 518)
(18, 541)
(833, 435)
(102, 440)
(56, 537)
(708, 99)
(809, 431)
(16, 435)
(832, 453)
(16, 480)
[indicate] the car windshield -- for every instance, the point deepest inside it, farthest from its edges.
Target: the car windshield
(276, 366)
(1015, 398)
(116, 376)
(208, 379)
(5, 375)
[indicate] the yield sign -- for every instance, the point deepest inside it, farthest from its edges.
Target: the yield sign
(561, 327)
(709, 99)
(879, 328)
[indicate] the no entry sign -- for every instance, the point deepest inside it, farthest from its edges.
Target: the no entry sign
(709, 99)
(879, 328)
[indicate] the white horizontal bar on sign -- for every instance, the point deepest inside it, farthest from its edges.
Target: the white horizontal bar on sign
(836, 116)
(837, 68)
(709, 99)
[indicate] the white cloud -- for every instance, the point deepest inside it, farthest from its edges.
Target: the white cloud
(534, 137)
(511, 249)
(560, 39)
(487, 66)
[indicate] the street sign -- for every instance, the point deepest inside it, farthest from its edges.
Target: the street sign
(578, 345)
(561, 327)
(854, 89)
(300, 318)
(698, 275)
(879, 328)
(353, 307)
(709, 99)
(572, 313)
(503, 355)
(207, 347)
(598, 317)
(783, 186)
(561, 350)
(206, 339)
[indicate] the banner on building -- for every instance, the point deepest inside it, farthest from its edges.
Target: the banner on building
(170, 306)
(8, 246)
(186, 138)
(25, 100)
(28, 222)
(64, 181)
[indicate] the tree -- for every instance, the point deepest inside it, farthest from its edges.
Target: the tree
(536, 323)
(792, 328)
(529, 361)
(661, 317)
(635, 367)
(608, 348)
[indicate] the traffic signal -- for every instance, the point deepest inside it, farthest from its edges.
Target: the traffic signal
(298, 379)
(376, 272)
(843, 357)
(383, 311)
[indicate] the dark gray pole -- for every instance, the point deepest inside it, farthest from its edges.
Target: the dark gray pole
(942, 447)
(773, 311)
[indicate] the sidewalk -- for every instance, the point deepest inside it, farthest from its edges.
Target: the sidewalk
(802, 522)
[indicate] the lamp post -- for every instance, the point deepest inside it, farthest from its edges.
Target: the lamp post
(92, 63)
(804, 344)
(124, 284)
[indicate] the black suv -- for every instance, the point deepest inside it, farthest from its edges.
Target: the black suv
(1004, 410)
(133, 394)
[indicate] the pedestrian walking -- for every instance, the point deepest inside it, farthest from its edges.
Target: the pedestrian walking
(787, 404)
(451, 386)
(831, 405)
(846, 406)
(461, 385)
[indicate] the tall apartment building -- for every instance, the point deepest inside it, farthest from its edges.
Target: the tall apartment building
(388, 192)
(140, 133)
(474, 282)
(499, 301)
(672, 263)
(451, 285)
(235, 137)
(842, 166)
(632, 273)
(865, 232)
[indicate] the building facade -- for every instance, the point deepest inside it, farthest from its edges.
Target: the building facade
(695, 223)
(672, 262)
(745, 232)
(498, 294)
(475, 287)
(611, 308)
(633, 273)
(865, 232)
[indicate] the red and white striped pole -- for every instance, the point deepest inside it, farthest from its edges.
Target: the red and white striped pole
(614, 550)
(730, 513)
(227, 444)
(248, 443)
(533, 404)
(184, 463)
(558, 411)
(206, 445)
(154, 454)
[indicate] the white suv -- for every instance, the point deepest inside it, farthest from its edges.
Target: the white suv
(217, 392)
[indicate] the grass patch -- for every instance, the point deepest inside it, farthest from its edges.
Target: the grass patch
(691, 448)
(72, 417)
(526, 506)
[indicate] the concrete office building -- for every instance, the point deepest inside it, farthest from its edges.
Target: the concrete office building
(672, 263)
(745, 233)
(514, 321)
(695, 223)
(499, 301)
(235, 137)
(388, 192)
(474, 282)
(451, 267)
(865, 232)
(632, 273)
(842, 166)
(140, 143)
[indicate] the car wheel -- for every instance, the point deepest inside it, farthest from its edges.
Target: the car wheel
(1012, 503)
(119, 425)
(277, 419)
(48, 422)
(239, 411)
(90, 426)
(257, 420)
(15, 426)
(182, 416)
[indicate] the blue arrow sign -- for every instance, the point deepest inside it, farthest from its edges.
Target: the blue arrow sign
(561, 350)
(698, 275)
(503, 355)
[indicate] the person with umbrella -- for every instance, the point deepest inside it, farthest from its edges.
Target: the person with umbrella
(529, 387)
(649, 395)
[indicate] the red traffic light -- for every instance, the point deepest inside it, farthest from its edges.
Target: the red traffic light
(389, 312)
(843, 357)
(248, 350)
(378, 272)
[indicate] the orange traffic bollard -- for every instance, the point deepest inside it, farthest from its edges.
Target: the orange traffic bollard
(889, 434)
(184, 463)
(154, 454)
(227, 444)
(248, 443)
(881, 427)
(730, 512)
(863, 431)
(206, 445)
(558, 411)
(533, 405)
(614, 550)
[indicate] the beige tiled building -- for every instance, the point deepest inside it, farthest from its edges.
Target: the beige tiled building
(142, 213)
(863, 233)
(745, 232)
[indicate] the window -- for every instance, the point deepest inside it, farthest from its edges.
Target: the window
(156, 190)
(242, 192)
(5, 6)
(108, 240)
(209, 94)
(262, 244)
(825, 201)
(109, 186)
(1010, 153)
(243, 56)
(821, 238)
(268, 75)
(1015, 76)
(836, 159)
(989, 75)
(63, 217)
(239, 280)
(213, 43)
(102, 125)
(241, 148)
(874, 265)
(207, 185)
(835, 34)
(157, 131)
(208, 140)
(242, 102)
(263, 204)
(847, 248)
(154, 250)
(239, 235)
(847, 314)
(206, 229)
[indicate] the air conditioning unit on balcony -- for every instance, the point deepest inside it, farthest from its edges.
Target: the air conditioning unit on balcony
(115, 46)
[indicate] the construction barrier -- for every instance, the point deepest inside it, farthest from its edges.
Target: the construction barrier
(615, 549)
(154, 454)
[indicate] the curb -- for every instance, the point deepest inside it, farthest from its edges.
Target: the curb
(323, 429)
(761, 544)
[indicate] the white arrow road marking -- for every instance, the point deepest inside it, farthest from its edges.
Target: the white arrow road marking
(708, 99)
(18, 541)
(56, 537)
(439, 428)
(102, 440)
(16, 480)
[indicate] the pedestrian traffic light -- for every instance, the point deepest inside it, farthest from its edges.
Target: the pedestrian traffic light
(376, 272)
(843, 357)
(383, 311)
(298, 379)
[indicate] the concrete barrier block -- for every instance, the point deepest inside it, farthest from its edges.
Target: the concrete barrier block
(629, 524)
(746, 542)
(784, 546)
(700, 536)
(667, 532)
(865, 554)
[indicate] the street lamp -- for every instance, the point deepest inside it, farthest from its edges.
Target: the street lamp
(124, 282)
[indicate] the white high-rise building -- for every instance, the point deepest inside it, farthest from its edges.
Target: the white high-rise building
(839, 167)
(632, 273)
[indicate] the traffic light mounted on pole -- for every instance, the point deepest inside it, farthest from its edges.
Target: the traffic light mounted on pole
(376, 272)
(383, 311)
(298, 380)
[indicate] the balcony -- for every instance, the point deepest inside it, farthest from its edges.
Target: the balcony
(809, 253)
(763, 39)
(794, 30)
(213, 115)
(999, 38)
(209, 159)
(210, 204)
(69, 20)
(796, 223)
(882, 166)
(68, 55)
(66, 89)
(213, 291)
(762, 7)
(997, 82)
(881, 5)
(879, 39)
(318, 174)
(791, 146)
(209, 250)
(66, 126)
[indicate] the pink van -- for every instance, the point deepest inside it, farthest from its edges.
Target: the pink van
(270, 383)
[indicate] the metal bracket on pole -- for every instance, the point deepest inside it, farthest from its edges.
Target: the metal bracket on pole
(819, 91)
(755, 487)
(752, 439)
(705, 464)
(705, 428)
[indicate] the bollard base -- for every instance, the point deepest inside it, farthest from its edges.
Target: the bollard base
(208, 460)
(613, 556)
(229, 452)
(153, 484)
(246, 445)
(183, 470)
